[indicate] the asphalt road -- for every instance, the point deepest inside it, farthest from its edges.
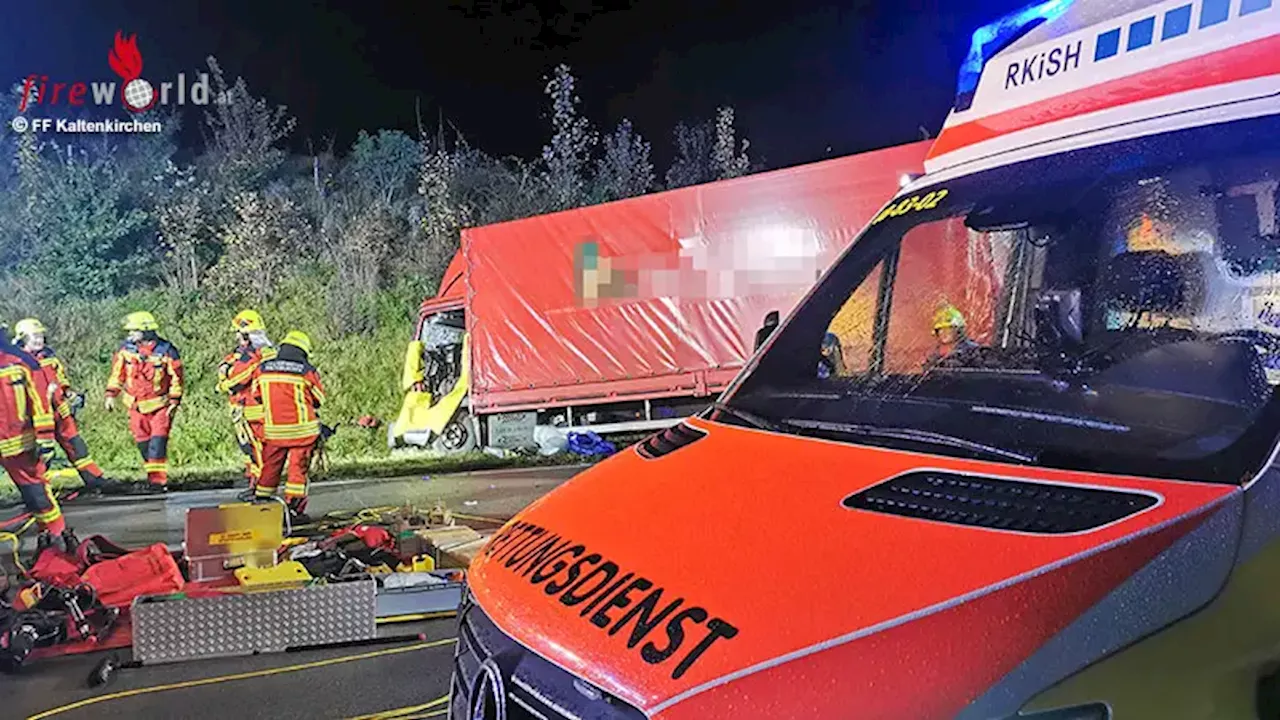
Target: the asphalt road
(142, 520)
(350, 688)
(346, 689)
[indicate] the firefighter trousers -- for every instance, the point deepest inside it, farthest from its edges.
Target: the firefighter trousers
(275, 459)
(28, 474)
(68, 435)
(249, 438)
(151, 432)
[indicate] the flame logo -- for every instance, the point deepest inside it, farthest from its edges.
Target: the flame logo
(124, 58)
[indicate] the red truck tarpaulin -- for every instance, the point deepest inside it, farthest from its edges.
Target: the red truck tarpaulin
(660, 294)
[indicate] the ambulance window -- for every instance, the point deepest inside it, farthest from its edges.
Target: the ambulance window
(947, 283)
(1247, 223)
(949, 279)
(854, 327)
(1221, 221)
(1116, 310)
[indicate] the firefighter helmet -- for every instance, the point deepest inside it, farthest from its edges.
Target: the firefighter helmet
(247, 321)
(298, 339)
(948, 317)
(27, 327)
(141, 320)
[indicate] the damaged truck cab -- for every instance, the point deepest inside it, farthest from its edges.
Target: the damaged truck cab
(626, 317)
(1013, 456)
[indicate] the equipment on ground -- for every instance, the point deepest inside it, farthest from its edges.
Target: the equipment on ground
(45, 615)
(252, 588)
(259, 593)
(226, 624)
(220, 539)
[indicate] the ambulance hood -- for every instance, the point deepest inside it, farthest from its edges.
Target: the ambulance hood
(738, 555)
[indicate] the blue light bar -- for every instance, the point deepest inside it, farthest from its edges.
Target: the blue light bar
(994, 37)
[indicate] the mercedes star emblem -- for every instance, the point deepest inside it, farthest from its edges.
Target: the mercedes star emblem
(489, 699)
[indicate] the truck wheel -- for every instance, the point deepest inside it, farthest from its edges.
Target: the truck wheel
(459, 436)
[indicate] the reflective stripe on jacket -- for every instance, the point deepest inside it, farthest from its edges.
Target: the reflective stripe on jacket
(54, 368)
(26, 417)
(55, 372)
(235, 379)
(291, 393)
(149, 373)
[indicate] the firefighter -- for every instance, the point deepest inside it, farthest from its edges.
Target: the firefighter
(148, 370)
(831, 360)
(950, 335)
(289, 389)
(27, 438)
(29, 334)
(235, 379)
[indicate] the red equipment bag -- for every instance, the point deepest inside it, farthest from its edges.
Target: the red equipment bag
(373, 536)
(119, 580)
(55, 567)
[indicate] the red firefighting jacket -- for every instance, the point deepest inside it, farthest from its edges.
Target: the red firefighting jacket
(291, 394)
(55, 372)
(26, 418)
(235, 378)
(149, 373)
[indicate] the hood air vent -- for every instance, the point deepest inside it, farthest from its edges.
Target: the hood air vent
(668, 441)
(999, 504)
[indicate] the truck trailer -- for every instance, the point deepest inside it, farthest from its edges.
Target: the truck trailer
(628, 316)
(1046, 489)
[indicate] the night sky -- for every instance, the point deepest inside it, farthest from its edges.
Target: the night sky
(809, 80)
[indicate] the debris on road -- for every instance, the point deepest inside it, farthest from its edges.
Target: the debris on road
(589, 444)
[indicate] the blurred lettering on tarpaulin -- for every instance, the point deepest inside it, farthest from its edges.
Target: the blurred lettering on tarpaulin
(758, 261)
(599, 276)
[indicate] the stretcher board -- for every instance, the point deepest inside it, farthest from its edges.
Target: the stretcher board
(176, 629)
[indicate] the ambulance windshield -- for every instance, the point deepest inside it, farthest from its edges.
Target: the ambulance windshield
(1113, 310)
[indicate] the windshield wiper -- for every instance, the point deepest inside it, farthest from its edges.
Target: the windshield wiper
(752, 419)
(911, 435)
(1056, 418)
